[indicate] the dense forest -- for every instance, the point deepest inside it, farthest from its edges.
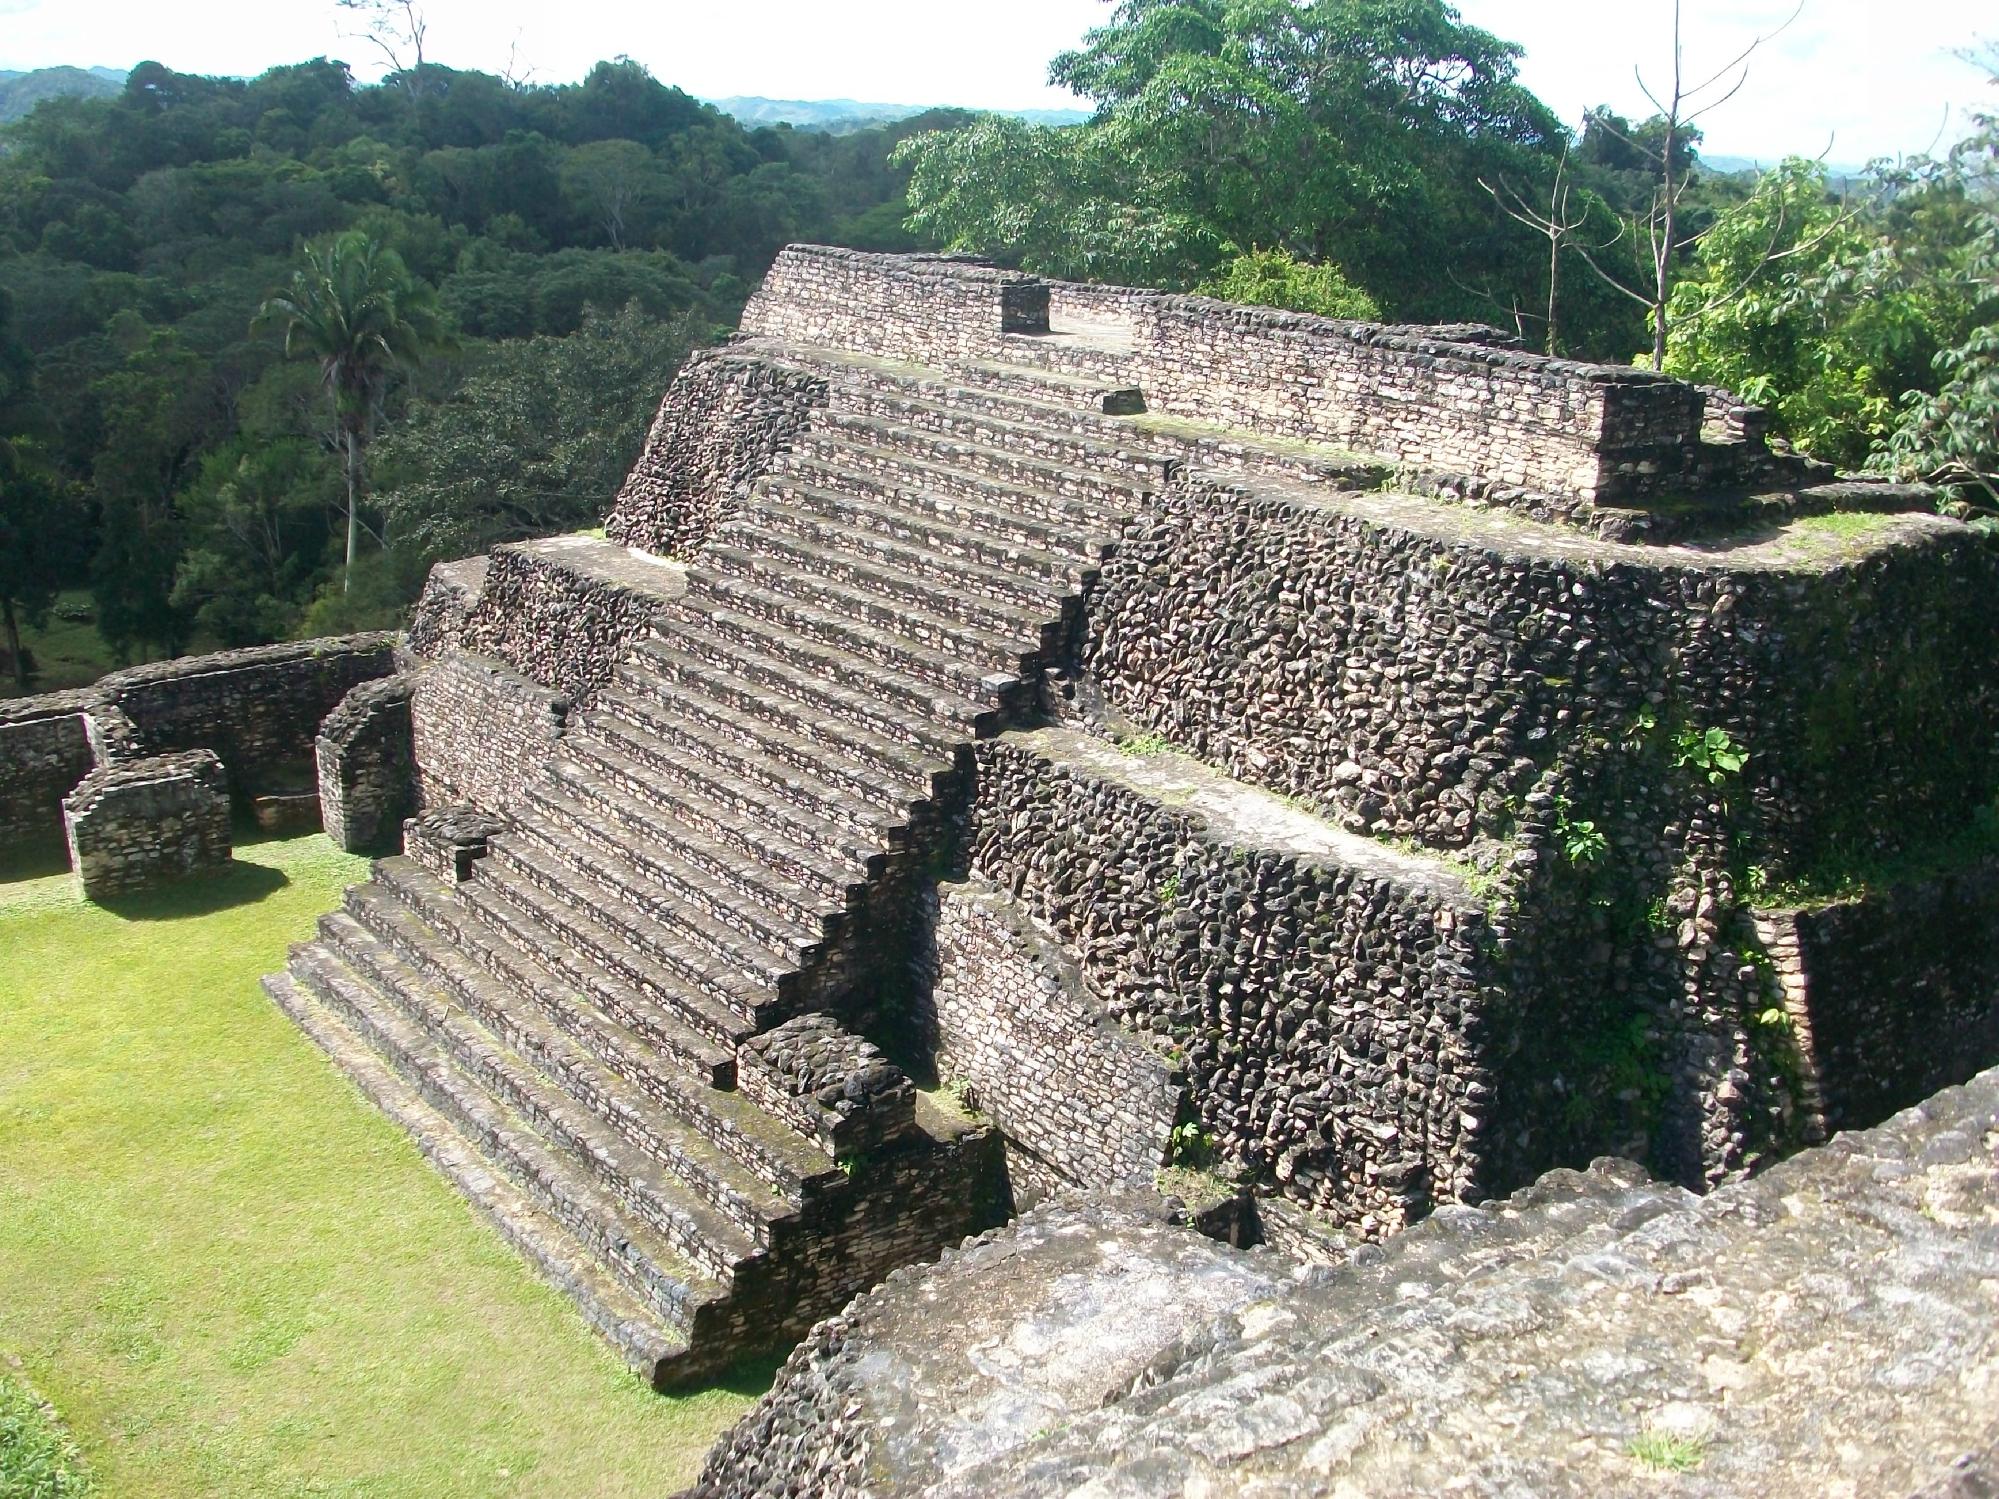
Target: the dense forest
(194, 440)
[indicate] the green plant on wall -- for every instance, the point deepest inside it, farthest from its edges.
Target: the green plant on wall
(1710, 752)
(1582, 841)
(1189, 1145)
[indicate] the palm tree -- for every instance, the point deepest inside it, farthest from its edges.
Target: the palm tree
(355, 307)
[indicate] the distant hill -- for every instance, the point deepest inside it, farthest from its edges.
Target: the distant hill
(838, 116)
(21, 92)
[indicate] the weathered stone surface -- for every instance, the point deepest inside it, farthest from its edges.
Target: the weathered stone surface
(1894, 994)
(564, 610)
(450, 594)
(1013, 1021)
(1324, 992)
(481, 730)
(719, 425)
(1825, 1329)
(829, 1084)
(367, 766)
(142, 823)
(1013, 1336)
(44, 751)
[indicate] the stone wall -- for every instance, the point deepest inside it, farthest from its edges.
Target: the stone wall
(367, 766)
(1327, 997)
(259, 709)
(1443, 399)
(916, 307)
(1896, 993)
(1014, 1021)
(141, 822)
(1390, 663)
(562, 611)
(480, 730)
(723, 418)
(450, 594)
(44, 751)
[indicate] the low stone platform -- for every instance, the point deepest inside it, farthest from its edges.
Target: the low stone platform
(1828, 1328)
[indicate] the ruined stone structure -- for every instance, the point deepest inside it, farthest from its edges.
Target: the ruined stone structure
(1352, 759)
(1019, 735)
(143, 772)
(1826, 1328)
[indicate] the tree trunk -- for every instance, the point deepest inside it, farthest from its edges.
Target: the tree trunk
(14, 645)
(1554, 285)
(353, 506)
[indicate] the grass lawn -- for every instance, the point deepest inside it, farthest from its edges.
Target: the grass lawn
(229, 1275)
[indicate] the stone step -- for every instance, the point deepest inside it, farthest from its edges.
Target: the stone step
(621, 790)
(921, 545)
(569, 896)
(671, 913)
(1038, 392)
(816, 726)
(1098, 485)
(792, 1168)
(670, 851)
(1001, 604)
(642, 1106)
(584, 946)
(926, 677)
(721, 752)
(643, 1336)
(989, 636)
(1095, 392)
(799, 480)
(1072, 438)
(643, 1261)
(615, 1021)
(642, 1186)
(836, 681)
(863, 468)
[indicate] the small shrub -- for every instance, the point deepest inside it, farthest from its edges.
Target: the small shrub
(1582, 841)
(1189, 1145)
(1169, 890)
(1144, 744)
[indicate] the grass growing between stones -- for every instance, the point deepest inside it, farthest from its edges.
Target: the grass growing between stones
(229, 1274)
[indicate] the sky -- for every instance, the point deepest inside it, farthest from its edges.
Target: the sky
(1850, 79)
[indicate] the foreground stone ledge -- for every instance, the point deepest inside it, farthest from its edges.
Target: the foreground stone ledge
(1825, 1329)
(144, 822)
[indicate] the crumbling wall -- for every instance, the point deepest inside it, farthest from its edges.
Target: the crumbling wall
(1383, 660)
(480, 730)
(143, 822)
(723, 419)
(916, 307)
(562, 611)
(1896, 992)
(450, 594)
(1328, 1005)
(259, 708)
(367, 766)
(44, 751)
(1013, 1021)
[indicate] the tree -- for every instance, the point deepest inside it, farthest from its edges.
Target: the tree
(1350, 134)
(1794, 303)
(1668, 149)
(536, 441)
(1271, 278)
(38, 519)
(356, 309)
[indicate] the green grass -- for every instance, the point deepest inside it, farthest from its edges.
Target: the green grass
(229, 1274)
(1667, 1454)
(37, 1458)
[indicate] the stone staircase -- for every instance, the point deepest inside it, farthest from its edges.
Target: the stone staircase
(564, 1031)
